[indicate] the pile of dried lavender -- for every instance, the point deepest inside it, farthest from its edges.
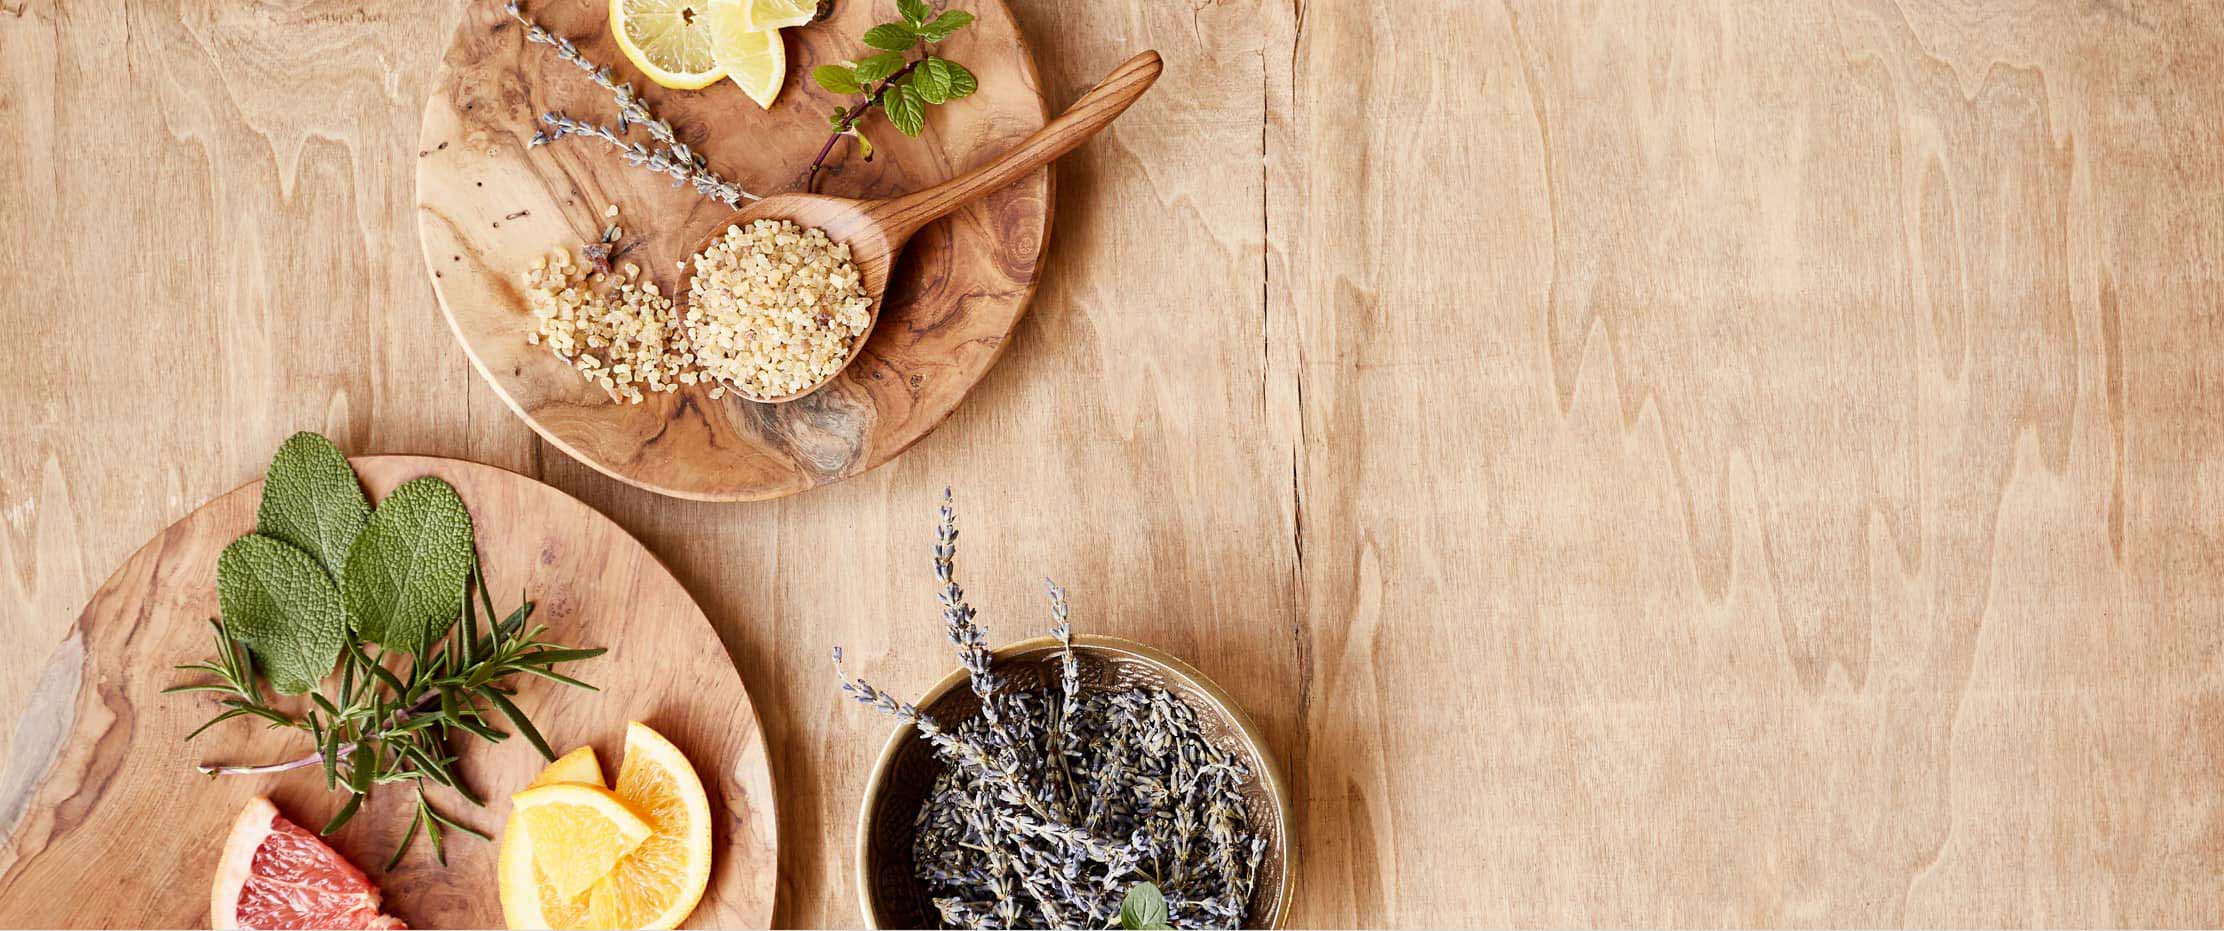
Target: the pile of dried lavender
(1055, 802)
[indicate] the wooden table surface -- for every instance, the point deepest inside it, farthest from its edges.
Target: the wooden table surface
(1643, 463)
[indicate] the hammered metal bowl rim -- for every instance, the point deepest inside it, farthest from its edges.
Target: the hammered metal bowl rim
(1270, 770)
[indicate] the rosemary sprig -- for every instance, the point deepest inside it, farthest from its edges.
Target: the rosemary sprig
(380, 726)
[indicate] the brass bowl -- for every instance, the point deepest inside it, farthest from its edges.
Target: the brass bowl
(886, 889)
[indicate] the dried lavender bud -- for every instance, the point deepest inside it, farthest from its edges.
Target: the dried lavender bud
(996, 843)
(674, 158)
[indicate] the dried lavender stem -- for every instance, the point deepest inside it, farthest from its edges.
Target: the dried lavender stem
(676, 159)
(958, 615)
(1069, 684)
(996, 845)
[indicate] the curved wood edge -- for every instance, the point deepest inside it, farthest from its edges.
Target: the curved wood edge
(747, 796)
(892, 447)
(1089, 115)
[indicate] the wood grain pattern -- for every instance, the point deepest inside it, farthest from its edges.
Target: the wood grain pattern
(118, 798)
(489, 205)
(876, 230)
(1639, 463)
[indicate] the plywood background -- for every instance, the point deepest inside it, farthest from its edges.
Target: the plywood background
(1643, 463)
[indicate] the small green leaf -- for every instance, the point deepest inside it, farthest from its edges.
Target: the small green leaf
(894, 37)
(312, 500)
(346, 812)
(278, 601)
(837, 79)
(879, 67)
(932, 80)
(906, 110)
(950, 21)
(864, 145)
(403, 847)
(962, 82)
(523, 725)
(914, 12)
(406, 573)
(1145, 907)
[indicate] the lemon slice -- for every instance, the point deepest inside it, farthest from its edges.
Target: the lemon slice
(577, 833)
(658, 884)
(669, 40)
(754, 59)
(760, 15)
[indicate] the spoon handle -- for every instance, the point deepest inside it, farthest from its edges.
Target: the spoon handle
(1094, 111)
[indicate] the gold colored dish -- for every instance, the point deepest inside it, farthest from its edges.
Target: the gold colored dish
(887, 891)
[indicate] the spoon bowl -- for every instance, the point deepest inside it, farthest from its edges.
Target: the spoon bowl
(876, 230)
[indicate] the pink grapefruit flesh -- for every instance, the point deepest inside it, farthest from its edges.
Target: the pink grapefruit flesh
(276, 875)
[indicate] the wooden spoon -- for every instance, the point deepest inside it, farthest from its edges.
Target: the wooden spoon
(876, 230)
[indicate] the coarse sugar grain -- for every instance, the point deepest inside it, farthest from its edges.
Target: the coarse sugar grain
(623, 338)
(774, 308)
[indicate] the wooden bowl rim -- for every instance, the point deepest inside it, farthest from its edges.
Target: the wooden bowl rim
(1270, 770)
(794, 482)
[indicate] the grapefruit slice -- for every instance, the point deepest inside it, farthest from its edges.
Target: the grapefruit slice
(276, 875)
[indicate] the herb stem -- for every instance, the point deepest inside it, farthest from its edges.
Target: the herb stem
(849, 119)
(315, 758)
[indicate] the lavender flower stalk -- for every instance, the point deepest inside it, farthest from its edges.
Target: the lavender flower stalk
(676, 159)
(1054, 801)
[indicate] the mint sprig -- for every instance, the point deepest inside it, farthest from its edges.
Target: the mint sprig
(900, 85)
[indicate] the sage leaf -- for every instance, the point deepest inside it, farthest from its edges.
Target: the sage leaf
(906, 109)
(405, 575)
(914, 12)
(1145, 907)
(949, 22)
(278, 601)
(879, 67)
(838, 79)
(894, 37)
(312, 500)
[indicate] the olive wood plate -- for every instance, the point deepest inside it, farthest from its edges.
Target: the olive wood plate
(489, 204)
(108, 825)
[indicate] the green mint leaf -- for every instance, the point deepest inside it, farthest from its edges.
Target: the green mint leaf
(864, 145)
(312, 500)
(834, 120)
(914, 12)
(1145, 907)
(894, 37)
(906, 110)
(278, 601)
(932, 80)
(879, 67)
(405, 575)
(962, 82)
(838, 79)
(950, 21)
